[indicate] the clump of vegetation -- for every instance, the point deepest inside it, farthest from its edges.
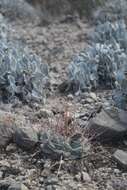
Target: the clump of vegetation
(22, 75)
(63, 139)
(104, 63)
(112, 10)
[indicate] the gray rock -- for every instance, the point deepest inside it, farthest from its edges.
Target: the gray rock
(10, 125)
(117, 171)
(11, 148)
(51, 180)
(44, 113)
(78, 177)
(123, 116)
(49, 187)
(68, 86)
(17, 186)
(4, 163)
(121, 157)
(93, 96)
(89, 100)
(125, 142)
(4, 184)
(41, 180)
(70, 97)
(26, 138)
(1, 175)
(85, 177)
(7, 125)
(108, 126)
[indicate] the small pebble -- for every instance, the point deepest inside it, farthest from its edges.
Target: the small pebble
(86, 177)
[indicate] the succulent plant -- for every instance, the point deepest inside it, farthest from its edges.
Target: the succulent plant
(112, 10)
(104, 63)
(22, 75)
(110, 33)
(97, 66)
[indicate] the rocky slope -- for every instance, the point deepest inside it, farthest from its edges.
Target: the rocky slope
(25, 163)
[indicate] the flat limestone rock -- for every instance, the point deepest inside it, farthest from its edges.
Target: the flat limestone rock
(121, 157)
(108, 126)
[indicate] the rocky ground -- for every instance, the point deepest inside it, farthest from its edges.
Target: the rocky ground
(23, 169)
